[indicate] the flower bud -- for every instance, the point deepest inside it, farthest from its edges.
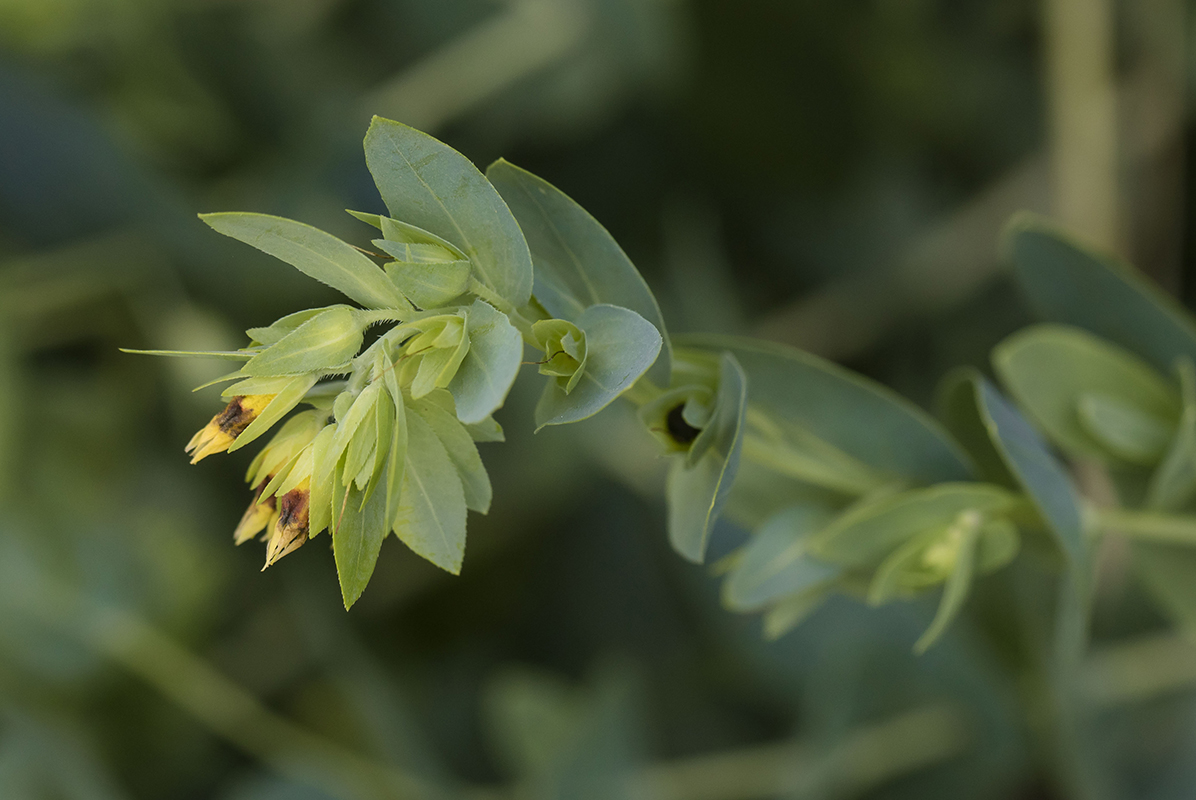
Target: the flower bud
(565, 352)
(291, 527)
(218, 435)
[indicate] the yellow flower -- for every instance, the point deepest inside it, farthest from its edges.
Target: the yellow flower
(291, 527)
(258, 517)
(219, 434)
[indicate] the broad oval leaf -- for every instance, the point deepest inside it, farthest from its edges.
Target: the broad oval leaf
(862, 418)
(578, 263)
(430, 284)
(1071, 283)
(1051, 369)
(775, 564)
(491, 365)
(427, 183)
(696, 494)
(431, 515)
(1036, 471)
(313, 252)
(620, 347)
(286, 399)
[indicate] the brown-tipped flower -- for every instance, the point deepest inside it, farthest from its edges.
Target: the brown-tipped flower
(219, 434)
(260, 516)
(290, 530)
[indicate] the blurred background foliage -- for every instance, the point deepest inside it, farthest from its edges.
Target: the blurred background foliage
(828, 174)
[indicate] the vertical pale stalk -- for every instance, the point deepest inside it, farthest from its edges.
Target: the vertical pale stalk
(1081, 96)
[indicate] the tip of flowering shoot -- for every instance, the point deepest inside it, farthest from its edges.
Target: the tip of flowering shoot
(291, 527)
(219, 434)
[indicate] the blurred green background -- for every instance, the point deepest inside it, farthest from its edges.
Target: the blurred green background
(831, 174)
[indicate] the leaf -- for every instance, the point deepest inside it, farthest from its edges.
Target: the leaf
(862, 418)
(276, 409)
(275, 332)
(1071, 283)
(426, 183)
(1049, 368)
(1168, 572)
(1037, 472)
(488, 430)
(356, 421)
(959, 409)
(357, 540)
(461, 451)
(396, 457)
(578, 264)
(1174, 482)
(697, 494)
(430, 285)
(418, 253)
(431, 514)
(955, 592)
(227, 355)
(775, 562)
(491, 365)
(1124, 429)
(620, 347)
(313, 252)
(865, 535)
(320, 496)
(257, 386)
(793, 610)
(328, 340)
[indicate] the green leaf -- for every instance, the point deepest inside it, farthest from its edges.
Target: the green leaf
(276, 409)
(320, 498)
(1050, 368)
(1174, 482)
(227, 355)
(793, 610)
(1124, 429)
(357, 539)
(326, 341)
(775, 563)
(418, 253)
(960, 411)
(955, 592)
(578, 263)
(866, 534)
(275, 332)
(313, 252)
(697, 494)
(620, 347)
(431, 514)
(355, 423)
(461, 451)
(1037, 472)
(1071, 283)
(396, 457)
(430, 285)
(426, 183)
(860, 417)
(488, 430)
(491, 365)
(257, 386)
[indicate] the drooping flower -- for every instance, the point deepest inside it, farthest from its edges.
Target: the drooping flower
(219, 434)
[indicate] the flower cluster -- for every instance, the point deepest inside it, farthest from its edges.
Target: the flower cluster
(386, 441)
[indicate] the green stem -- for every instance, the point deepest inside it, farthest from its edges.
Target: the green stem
(868, 757)
(1150, 526)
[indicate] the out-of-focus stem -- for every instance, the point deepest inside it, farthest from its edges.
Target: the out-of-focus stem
(1082, 104)
(869, 756)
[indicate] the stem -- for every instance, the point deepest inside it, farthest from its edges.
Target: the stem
(1150, 526)
(868, 757)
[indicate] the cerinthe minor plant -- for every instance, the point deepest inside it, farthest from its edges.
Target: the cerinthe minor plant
(847, 487)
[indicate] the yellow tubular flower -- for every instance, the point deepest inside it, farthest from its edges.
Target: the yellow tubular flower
(219, 434)
(258, 517)
(290, 530)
